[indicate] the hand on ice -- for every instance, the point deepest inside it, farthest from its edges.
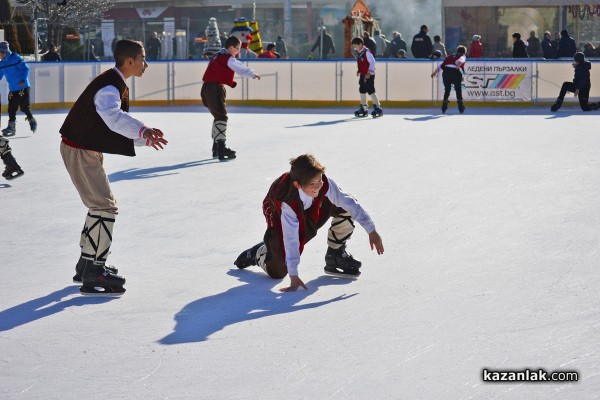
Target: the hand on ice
(295, 283)
(376, 242)
(154, 138)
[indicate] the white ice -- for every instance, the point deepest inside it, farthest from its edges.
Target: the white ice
(490, 222)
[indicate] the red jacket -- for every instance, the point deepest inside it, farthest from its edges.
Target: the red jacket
(267, 54)
(476, 49)
(362, 61)
(218, 71)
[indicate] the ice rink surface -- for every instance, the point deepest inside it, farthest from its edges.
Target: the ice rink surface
(490, 222)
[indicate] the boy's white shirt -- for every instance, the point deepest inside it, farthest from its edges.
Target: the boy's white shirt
(239, 68)
(290, 223)
(108, 105)
(371, 61)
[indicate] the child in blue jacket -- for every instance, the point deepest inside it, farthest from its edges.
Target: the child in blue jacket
(16, 71)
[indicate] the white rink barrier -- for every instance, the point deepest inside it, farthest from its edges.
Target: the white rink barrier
(316, 83)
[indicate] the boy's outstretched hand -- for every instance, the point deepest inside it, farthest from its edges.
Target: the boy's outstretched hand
(154, 138)
(295, 283)
(376, 242)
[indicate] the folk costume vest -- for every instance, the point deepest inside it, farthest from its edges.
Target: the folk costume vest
(362, 61)
(283, 191)
(218, 71)
(85, 128)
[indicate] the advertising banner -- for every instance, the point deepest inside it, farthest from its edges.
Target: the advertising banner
(495, 80)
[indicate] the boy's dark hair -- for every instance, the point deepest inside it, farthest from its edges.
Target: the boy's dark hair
(517, 35)
(127, 48)
(232, 41)
(357, 40)
(461, 49)
(304, 168)
(271, 46)
(437, 38)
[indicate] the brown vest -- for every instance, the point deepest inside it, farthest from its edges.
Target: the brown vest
(84, 126)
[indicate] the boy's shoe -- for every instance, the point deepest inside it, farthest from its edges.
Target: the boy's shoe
(99, 281)
(248, 257)
(595, 106)
(32, 124)
(339, 262)
(461, 106)
(224, 152)
(444, 106)
(556, 106)
(361, 112)
(77, 278)
(377, 112)
(10, 130)
(12, 169)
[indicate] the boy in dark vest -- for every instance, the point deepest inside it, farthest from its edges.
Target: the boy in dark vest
(98, 123)
(298, 203)
(452, 75)
(219, 72)
(366, 82)
(580, 86)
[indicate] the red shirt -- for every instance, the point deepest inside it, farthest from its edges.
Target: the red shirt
(476, 50)
(267, 54)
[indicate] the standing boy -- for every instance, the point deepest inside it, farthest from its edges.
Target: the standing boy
(366, 83)
(16, 71)
(298, 203)
(98, 123)
(452, 75)
(220, 71)
(580, 86)
(519, 46)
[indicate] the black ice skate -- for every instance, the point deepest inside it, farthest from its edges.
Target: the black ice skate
(461, 106)
(340, 263)
(99, 281)
(224, 152)
(32, 124)
(10, 130)
(444, 106)
(556, 106)
(248, 257)
(377, 112)
(12, 169)
(362, 112)
(77, 278)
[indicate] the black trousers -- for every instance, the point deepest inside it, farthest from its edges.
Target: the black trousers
(16, 99)
(452, 76)
(366, 85)
(583, 95)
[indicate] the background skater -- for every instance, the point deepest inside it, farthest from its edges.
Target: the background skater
(580, 86)
(452, 76)
(298, 203)
(220, 71)
(366, 82)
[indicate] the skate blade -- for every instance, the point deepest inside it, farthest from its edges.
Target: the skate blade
(340, 275)
(15, 176)
(111, 291)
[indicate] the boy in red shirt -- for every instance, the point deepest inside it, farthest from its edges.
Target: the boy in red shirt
(366, 83)
(220, 71)
(452, 75)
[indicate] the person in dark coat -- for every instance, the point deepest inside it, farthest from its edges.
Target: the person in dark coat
(534, 49)
(396, 44)
(580, 86)
(547, 48)
(421, 45)
(566, 46)
(327, 44)
(519, 47)
(369, 43)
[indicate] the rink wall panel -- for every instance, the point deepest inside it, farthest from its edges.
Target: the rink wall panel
(301, 83)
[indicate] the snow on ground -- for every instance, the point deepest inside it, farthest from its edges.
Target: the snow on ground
(490, 222)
